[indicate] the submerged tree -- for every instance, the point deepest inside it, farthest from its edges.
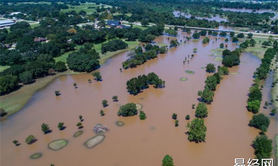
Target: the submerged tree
(142, 115)
(104, 103)
(61, 126)
(167, 161)
(128, 109)
(210, 68)
(197, 130)
(201, 110)
(45, 128)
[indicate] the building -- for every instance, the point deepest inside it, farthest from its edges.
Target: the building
(6, 23)
(113, 23)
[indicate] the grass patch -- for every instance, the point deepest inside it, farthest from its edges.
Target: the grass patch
(2, 68)
(89, 8)
(189, 71)
(218, 59)
(58, 144)
(14, 101)
(36, 155)
(258, 50)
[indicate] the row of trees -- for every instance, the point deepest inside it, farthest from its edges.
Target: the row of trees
(113, 45)
(262, 145)
(140, 57)
(137, 84)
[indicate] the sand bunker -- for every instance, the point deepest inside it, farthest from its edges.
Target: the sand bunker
(119, 123)
(94, 141)
(78, 133)
(58, 144)
(36, 155)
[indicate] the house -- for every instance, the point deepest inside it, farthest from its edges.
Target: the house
(6, 23)
(113, 23)
(39, 39)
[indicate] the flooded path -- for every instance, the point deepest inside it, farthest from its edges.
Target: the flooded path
(138, 142)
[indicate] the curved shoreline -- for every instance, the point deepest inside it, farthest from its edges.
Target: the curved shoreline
(23, 95)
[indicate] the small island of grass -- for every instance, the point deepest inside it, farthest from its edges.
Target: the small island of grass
(57, 144)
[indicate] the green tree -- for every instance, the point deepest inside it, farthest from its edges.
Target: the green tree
(30, 139)
(262, 146)
(104, 103)
(102, 113)
(97, 76)
(253, 106)
(60, 66)
(197, 130)
(187, 117)
(201, 110)
(207, 95)
(260, 121)
(210, 68)
(128, 109)
(115, 98)
(61, 126)
(174, 116)
(142, 115)
(167, 161)
(8, 84)
(26, 77)
(45, 128)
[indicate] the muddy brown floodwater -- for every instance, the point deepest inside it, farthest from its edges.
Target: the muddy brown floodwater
(138, 142)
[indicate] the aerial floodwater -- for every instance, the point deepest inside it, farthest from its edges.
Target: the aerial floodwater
(138, 142)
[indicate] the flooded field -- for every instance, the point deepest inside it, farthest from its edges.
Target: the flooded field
(139, 142)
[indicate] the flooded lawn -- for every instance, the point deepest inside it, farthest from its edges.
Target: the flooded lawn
(138, 142)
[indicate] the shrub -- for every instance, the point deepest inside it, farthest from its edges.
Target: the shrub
(104, 103)
(30, 139)
(174, 116)
(142, 115)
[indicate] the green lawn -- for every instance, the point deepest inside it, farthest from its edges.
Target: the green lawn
(2, 68)
(258, 50)
(88, 7)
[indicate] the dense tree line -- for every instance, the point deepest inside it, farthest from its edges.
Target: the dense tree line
(140, 56)
(84, 60)
(113, 45)
(137, 84)
(231, 58)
